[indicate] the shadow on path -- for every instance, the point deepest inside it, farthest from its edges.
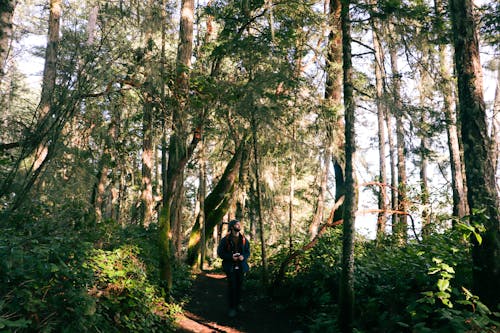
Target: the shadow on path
(207, 311)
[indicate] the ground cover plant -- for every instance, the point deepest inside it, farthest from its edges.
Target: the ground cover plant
(73, 275)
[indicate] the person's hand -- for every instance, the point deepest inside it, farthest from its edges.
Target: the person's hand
(241, 258)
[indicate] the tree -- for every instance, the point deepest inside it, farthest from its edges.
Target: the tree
(179, 153)
(346, 294)
(482, 195)
(147, 119)
(381, 114)
(399, 223)
(217, 203)
(333, 97)
(460, 208)
(6, 13)
(41, 143)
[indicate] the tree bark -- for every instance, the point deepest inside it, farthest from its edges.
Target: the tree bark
(458, 186)
(202, 191)
(346, 293)
(400, 225)
(424, 148)
(392, 162)
(495, 135)
(320, 203)
(7, 8)
(481, 187)
(147, 132)
(41, 143)
(260, 219)
(291, 195)
(178, 153)
(381, 111)
(333, 98)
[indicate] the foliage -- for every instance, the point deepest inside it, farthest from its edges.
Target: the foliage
(73, 275)
(421, 287)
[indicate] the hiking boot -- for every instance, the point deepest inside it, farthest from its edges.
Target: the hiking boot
(232, 313)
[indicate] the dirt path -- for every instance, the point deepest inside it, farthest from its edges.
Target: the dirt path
(207, 311)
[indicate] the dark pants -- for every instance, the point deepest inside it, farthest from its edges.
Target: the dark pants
(234, 286)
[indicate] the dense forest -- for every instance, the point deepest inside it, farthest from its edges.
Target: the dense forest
(358, 141)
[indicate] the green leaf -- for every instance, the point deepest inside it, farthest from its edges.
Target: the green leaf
(478, 237)
(443, 284)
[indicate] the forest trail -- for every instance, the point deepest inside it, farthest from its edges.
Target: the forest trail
(206, 311)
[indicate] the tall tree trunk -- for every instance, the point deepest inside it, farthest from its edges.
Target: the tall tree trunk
(7, 8)
(260, 219)
(41, 144)
(202, 191)
(459, 190)
(394, 178)
(217, 203)
(346, 294)
(400, 225)
(495, 133)
(100, 186)
(147, 207)
(320, 203)
(178, 154)
(381, 111)
(424, 149)
(481, 186)
(49, 76)
(91, 25)
(291, 196)
(333, 98)
(165, 237)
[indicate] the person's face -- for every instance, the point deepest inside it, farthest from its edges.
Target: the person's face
(237, 227)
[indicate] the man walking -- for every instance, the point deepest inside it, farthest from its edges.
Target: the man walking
(234, 249)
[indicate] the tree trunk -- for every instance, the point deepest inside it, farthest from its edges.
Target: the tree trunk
(346, 293)
(100, 186)
(91, 25)
(147, 204)
(424, 186)
(481, 187)
(495, 133)
(333, 98)
(49, 76)
(291, 196)
(459, 190)
(178, 153)
(320, 203)
(400, 225)
(41, 143)
(202, 191)
(260, 220)
(381, 111)
(394, 179)
(6, 14)
(218, 201)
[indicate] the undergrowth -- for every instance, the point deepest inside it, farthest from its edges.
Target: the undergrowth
(420, 287)
(69, 274)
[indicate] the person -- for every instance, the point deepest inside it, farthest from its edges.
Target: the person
(234, 249)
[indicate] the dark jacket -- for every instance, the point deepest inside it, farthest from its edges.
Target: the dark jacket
(226, 249)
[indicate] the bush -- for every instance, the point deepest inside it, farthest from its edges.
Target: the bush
(72, 275)
(394, 288)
